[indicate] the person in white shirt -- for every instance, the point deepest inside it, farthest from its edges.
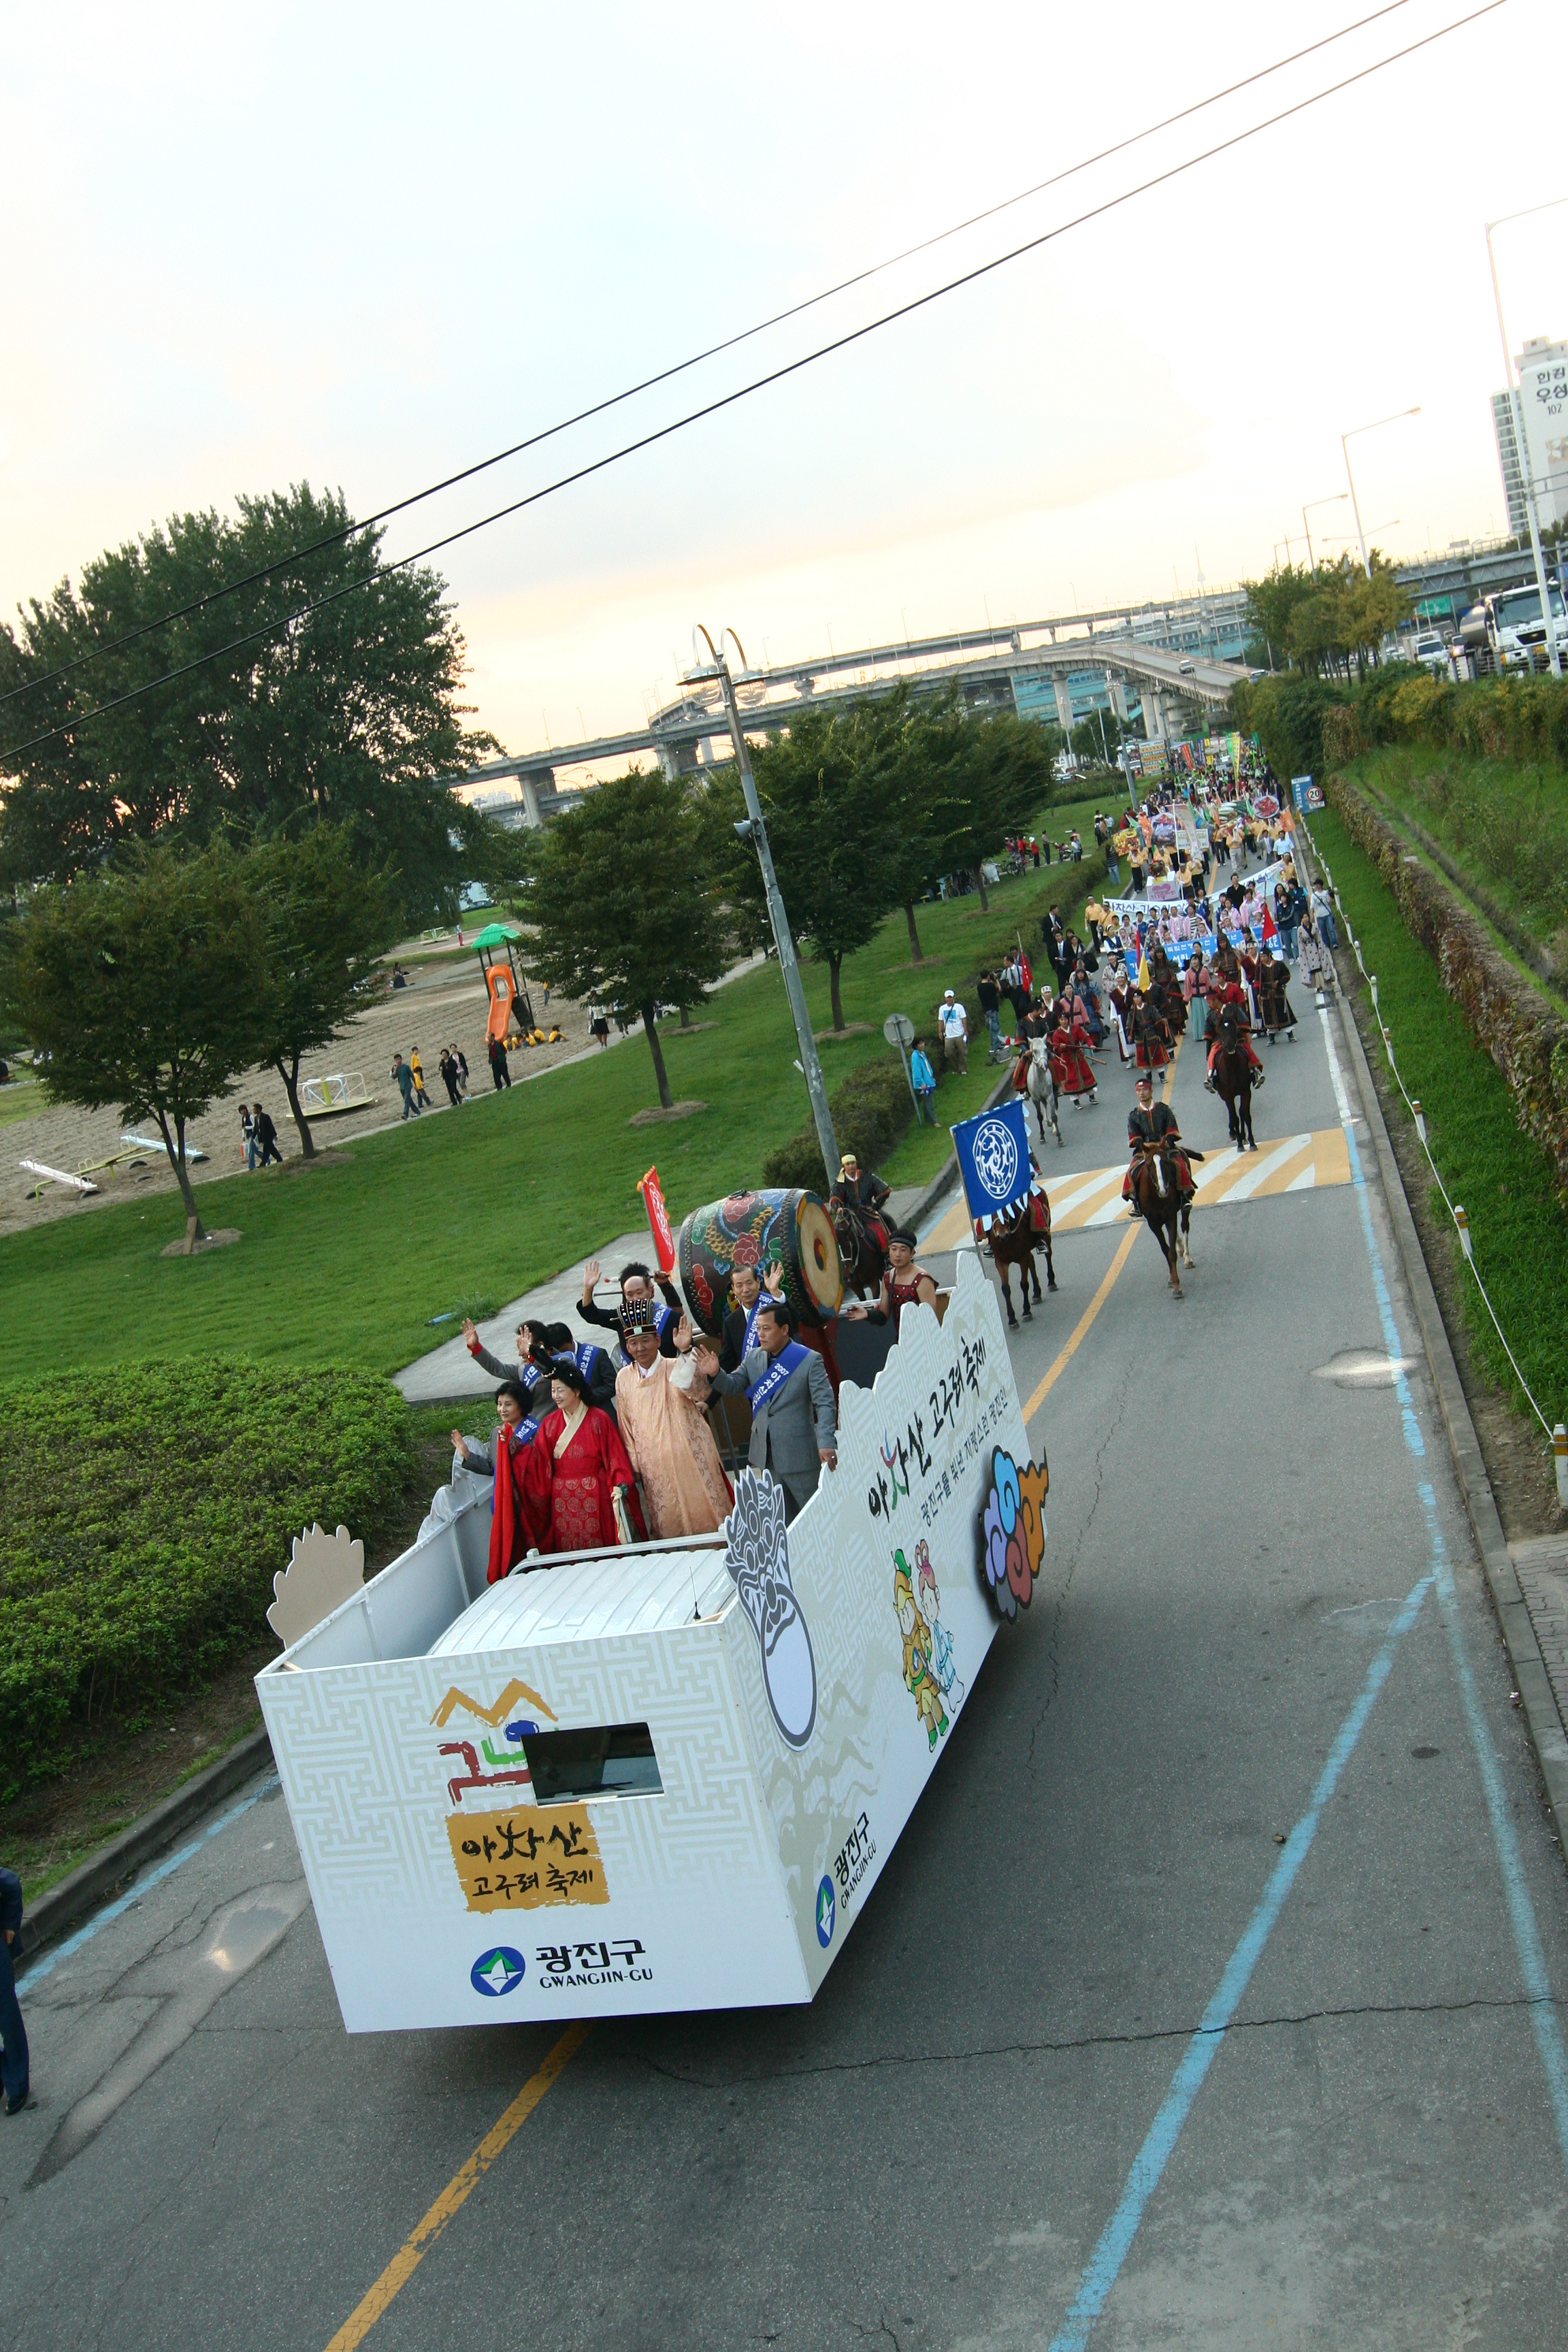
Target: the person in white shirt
(953, 1023)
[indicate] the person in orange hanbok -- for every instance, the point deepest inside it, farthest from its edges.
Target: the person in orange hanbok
(661, 1402)
(586, 1485)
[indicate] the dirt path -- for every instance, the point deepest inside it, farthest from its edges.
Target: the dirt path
(445, 1006)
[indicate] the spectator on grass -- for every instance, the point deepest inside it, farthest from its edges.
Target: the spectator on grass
(990, 996)
(246, 1136)
(448, 1069)
(953, 1023)
(416, 1071)
(265, 1135)
(923, 1078)
(461, 1059)
(598, 1027)
(405, 1078)
(499, 1073)
(399, 977)
(14, 2068)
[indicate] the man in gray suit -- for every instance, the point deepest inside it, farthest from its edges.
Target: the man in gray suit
(795, 1425)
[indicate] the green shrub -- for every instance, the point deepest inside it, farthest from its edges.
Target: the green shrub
(145, 1511)
(871, 1109)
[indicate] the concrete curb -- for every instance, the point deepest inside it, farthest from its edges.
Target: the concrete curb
(1529, 1668)
(71, 1898)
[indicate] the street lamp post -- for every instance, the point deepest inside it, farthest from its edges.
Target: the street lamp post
(754, 830)
(1345, 439)
(1517, 404)
(1334, 501)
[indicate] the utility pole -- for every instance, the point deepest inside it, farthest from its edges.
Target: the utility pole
(753, 829)
(1548, 616)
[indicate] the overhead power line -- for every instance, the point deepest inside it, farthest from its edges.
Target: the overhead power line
(758, 383)
(681, 367)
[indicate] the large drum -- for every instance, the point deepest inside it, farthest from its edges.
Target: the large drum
(790, 1230)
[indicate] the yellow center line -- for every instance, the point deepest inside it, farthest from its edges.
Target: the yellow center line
(415, 2248)
(1123, 1251)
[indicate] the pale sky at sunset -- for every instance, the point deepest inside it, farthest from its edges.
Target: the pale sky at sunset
(367, 246)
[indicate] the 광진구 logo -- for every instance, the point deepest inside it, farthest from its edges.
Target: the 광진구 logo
(497, 1971)
(826, 1912)
(996, 1158)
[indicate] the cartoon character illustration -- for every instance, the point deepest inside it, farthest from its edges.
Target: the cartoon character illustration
(1012, 1530)
(927, 1600)
(756, 1553)
(919, 1678)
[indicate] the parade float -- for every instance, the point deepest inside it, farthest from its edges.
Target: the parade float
(665, 1776)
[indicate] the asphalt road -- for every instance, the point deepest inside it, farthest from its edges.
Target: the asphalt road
(1261, 1617)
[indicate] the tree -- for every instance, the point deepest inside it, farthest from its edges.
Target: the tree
(351, 714)
(989, 773)
(1272, 603)
(825, 802)
(622, 904)
(145, 987)
(327, 922)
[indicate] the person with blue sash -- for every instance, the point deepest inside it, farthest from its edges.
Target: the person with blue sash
(747, 1289)
(795, 1421)
(593, 1362)
(533, 1365)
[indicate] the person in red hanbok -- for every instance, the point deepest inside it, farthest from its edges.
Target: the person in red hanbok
(1070, 1065)
(586, 1482)
(519, 1519)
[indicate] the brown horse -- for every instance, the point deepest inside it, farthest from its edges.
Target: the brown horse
(860, 1254)
(1159, 1202)
(1232, 1077)
(1014, 1239)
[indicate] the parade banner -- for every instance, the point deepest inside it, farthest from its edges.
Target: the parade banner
(993, 1151)
(657, 1219)
(661, 1776)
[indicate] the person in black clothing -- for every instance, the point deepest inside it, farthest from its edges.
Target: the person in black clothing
(636, 1282)
(747, 1290)
(533, 1357)
(448, 1069)
(498, 1070)
(266, 1135)
(1147, 1122)
(14, 2068)
(990, 997)
(594, 1363)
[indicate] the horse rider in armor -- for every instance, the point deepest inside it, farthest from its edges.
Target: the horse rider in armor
(1232, 998)
(1149, 1121)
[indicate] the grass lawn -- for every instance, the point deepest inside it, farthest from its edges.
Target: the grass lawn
(1502, 1178)
(345, 1263)
(1504, 823)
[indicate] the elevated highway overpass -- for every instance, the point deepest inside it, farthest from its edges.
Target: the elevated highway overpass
(985, 664)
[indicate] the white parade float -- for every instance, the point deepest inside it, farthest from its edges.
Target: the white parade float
(665, 1777)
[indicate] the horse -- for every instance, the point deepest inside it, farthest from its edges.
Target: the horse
(1042, 1087)
(1014, 1239)
(1233, 1079)
(1160, 1205)
(861, 1255)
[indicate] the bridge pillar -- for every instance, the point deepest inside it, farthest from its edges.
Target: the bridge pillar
(1116, 685)
(677, 759)
(530, 785)
(1064, 701)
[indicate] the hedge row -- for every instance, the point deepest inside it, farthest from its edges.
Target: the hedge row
(1306, 724)
(1517, 1026)
(145, 1511)
(871, 1109)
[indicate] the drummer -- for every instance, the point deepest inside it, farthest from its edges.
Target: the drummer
(864, 1192)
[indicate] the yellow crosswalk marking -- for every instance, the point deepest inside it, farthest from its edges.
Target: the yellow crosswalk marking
(1092, 1196)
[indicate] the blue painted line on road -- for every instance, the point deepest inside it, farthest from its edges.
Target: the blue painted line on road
(1521, 1911)
(1116, 2239)
(40, 1968)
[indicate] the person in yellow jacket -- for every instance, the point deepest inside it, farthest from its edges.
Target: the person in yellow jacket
(416, 1072)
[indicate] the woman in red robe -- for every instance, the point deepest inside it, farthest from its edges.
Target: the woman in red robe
(520, 1512)
(578, 1467)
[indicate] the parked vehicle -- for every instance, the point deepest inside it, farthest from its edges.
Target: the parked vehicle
(1430, 650)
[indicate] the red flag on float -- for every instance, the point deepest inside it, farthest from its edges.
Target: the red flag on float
(658, 1221)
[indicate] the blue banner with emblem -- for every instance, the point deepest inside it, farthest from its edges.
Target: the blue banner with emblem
(993, 1151)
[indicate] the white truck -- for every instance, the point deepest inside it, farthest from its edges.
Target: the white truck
(665, 1776)
(1505, 631)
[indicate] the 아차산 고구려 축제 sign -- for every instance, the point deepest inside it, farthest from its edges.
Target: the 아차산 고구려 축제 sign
(660, 1778)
